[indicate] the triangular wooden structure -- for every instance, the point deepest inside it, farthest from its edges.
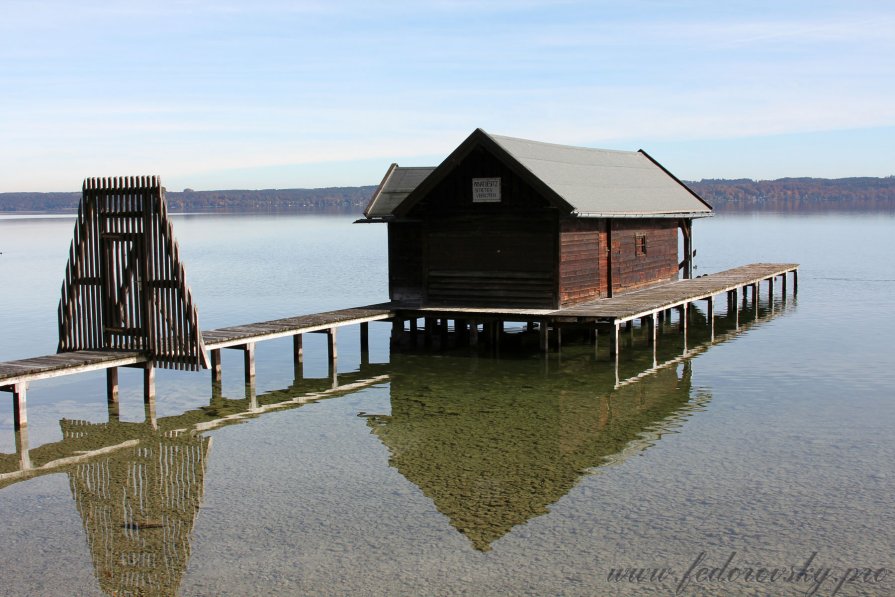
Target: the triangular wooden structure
(124, 286)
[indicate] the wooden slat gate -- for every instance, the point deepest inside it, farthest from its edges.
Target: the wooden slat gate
(124, 286)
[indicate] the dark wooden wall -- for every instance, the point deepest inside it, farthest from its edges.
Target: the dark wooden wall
(405, 261)
(631, 271)
(485, 254)
(582, 247)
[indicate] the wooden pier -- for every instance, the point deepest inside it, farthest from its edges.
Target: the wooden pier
(650, 306)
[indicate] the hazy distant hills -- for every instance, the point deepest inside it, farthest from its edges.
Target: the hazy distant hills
(784, 194)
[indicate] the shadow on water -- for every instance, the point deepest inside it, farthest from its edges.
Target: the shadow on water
(493, 442)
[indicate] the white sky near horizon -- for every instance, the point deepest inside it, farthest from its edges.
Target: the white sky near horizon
(287, 94)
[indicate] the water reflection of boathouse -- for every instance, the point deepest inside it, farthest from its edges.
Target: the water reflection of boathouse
(493, 450)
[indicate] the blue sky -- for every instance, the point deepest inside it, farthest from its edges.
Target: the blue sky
(283, 94)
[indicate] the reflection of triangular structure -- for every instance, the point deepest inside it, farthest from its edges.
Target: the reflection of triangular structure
(124, 284)
(138, 507)
(493, 450)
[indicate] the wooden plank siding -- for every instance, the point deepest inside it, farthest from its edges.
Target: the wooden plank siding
(485, 254)
(579, 263)
(633, 271)
(405, 261)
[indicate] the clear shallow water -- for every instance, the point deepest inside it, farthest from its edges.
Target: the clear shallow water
(461, 474)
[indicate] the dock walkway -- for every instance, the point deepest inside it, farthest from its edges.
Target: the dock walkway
(649, 305)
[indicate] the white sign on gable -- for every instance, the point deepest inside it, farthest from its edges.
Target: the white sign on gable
(486, 190)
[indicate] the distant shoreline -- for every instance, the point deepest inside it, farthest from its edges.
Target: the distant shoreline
(864, 194)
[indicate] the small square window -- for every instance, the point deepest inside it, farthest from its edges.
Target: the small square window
(640, 245)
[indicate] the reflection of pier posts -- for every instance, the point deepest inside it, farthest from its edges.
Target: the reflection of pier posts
(149, 413)
(755, 299)
(251, 396)
(22, 448)
(613, 339)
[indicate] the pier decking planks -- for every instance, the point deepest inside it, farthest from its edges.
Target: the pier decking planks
(666, 296)
(66, 363)
(291, 326)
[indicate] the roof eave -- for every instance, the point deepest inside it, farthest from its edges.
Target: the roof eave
(635, 215)
(676, 179)
(378, 192)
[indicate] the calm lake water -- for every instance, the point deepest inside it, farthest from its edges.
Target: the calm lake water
(458, 473)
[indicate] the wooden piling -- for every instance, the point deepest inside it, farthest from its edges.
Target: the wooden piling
(216, 366)
(364, 337)
(544, 336)
(248, 357)
(331, 348)
(298, 350)
(112, 384)
(19, 404)
(148, 382)
(613, 339)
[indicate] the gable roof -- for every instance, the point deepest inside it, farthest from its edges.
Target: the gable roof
(581, 181)
(397, 183)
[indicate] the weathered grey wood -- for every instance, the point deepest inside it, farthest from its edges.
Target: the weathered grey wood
(148, 383)
(216, 373)
(112, 384)
(248, 357)
(365, 337)
(19, 404)
(653, 324)
(544, 336)
(124, 287)
(298, 351)
(331, 348)
(23, 448)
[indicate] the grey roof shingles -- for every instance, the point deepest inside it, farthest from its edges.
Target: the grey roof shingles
(594, 182)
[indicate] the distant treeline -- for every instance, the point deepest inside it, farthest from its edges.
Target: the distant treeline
(326, 200)
(784, 194)
(798, 194)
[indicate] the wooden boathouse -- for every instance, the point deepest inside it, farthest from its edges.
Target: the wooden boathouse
(509, 222)
(503, 230)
